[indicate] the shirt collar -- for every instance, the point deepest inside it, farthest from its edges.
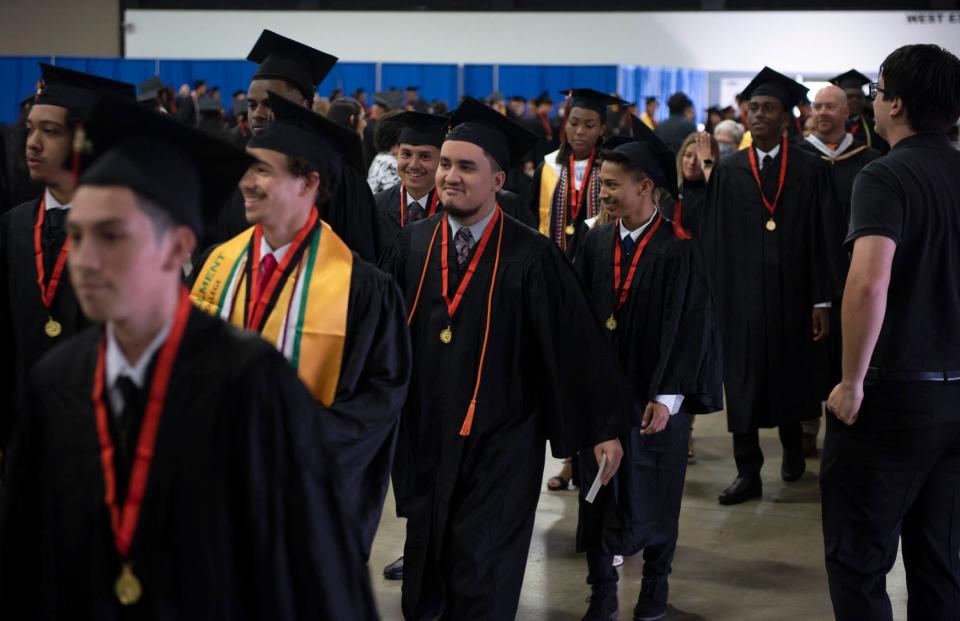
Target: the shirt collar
(51, 202)
(762, 154)
(476, 229)
(117, 364)
(422, 201)
(265, 249)
(635, 234)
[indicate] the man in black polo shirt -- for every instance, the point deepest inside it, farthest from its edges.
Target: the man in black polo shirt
(891, 463)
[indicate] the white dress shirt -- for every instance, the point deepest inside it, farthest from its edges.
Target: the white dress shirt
(52, 203)
(672, 402)
(422, 201)
(265, 249)
(476, 229)
(118, 366)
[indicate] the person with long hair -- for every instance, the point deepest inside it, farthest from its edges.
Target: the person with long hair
(566, 185)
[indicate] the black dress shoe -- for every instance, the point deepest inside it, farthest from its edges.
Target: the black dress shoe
(793, 468)
(741, 490)
(394, 571)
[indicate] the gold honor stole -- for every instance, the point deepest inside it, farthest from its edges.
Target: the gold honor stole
(549, 176)
(308, 323)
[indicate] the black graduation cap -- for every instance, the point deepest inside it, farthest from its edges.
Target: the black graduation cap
(300, 133)
(413, 88)
(504, 140)
(186, 172)
(652, 155)
(209, 106)
(543, 98)
(77, 91)
(774, 84)
(519, 98)
(150, 88)
(715, 109)
(650, 100)
(850, 79)
(391, 100)
(592, 100)
(420, 128)
(281, 58)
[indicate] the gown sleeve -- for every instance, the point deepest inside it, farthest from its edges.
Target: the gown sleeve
(689, 361)
(826, 228)
(583, 394)
(361, 423)
(306, 553)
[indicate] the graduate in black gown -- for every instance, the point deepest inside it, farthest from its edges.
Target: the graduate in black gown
(860, 123)
(768, 232)
(831, 142)
(294, 70)
(338, 319)
(648, 285)
(498, 369)
(566, 184)
(418, 156)
(170, 466)
(37, 306)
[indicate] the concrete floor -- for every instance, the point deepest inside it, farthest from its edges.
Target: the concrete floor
(756, 561)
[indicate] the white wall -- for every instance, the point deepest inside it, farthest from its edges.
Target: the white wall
(799, 42)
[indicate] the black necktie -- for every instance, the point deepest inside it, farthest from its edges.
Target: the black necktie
(628, 243)
(128, 430)
(770, 176)
(53, 237)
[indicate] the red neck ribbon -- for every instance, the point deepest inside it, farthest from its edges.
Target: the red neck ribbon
(620, 295)
(434, 201)
(575, 194)
(47, 291)
(771, 207)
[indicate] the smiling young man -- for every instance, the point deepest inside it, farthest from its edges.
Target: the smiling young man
(891, 458)
(500, 324)
(566, 184)
(768, 230)
(293, 71)
(656, 309)
(170, 466)
(337, 319)
(38, 308)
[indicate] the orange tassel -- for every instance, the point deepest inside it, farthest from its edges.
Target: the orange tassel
(468, 421)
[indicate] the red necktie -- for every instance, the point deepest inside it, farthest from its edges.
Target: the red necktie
(267, 264)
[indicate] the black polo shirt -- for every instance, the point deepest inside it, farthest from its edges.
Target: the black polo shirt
(912, 196)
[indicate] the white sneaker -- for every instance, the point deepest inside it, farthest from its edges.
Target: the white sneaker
(617, 560)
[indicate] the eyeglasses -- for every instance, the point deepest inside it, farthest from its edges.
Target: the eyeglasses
(874, 89)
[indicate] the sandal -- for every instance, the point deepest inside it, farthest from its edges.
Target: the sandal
(558, 484)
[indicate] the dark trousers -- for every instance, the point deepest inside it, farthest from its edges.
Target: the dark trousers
(894, 476)
(658, 466)
(749, 456)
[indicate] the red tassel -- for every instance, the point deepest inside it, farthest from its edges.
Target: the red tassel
(468, 421)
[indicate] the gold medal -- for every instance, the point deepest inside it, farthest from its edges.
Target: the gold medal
(570, 229)
(52, 328)
(771, 225)
(446, 335)
(127, 587)
(611, 323)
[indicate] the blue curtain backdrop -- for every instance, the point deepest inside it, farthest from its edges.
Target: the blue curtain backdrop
(18, 76)
(638, 83)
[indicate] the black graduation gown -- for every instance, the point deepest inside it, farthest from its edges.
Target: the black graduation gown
(668, 344)
(549, 374)
(843, 170)
(767, 283)
(388, 211)
(533, 207)
(864, 130)
(693, 195)
(22, 315)
(350, 211)
(361, 423)
(242, 516)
